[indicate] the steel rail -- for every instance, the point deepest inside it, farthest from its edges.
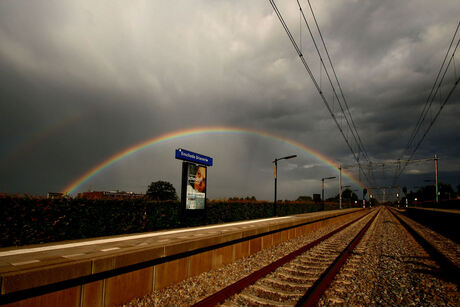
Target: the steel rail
(245, 282)
(450, 270)
(314, 293)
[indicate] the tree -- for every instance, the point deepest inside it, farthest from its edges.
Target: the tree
(446, 191)
(161, 190)
(404, 189)
(349, 195)
(429, 192)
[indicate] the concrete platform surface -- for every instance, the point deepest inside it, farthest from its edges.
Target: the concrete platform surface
(27, 267)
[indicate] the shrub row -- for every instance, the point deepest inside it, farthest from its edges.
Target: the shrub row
(29, 220)
(443, 204)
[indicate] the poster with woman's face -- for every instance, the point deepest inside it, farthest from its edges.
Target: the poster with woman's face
(196, 187)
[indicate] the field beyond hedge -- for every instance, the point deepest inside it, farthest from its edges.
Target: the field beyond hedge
(30, 220)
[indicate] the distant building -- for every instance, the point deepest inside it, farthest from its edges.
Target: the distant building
(54, 195)
(109, 195)
(317, 198)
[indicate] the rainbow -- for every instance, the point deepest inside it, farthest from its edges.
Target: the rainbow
(28, 145)
(70, 188)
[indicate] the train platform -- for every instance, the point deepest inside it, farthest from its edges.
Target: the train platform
(162, 257)
(444, 221)
(453, 211)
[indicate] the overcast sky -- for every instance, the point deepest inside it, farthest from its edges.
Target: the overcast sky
(81, 81)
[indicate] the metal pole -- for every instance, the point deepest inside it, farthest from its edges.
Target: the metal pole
(322, 189)
(340, 186)
(436, 173)
(275, 173)
(364, 199)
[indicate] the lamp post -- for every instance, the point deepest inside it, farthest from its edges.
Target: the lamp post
(275, 175)
(436, 177)
(340, 186)
(322, 186)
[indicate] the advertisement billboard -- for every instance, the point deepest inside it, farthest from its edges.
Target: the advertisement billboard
(194, 185)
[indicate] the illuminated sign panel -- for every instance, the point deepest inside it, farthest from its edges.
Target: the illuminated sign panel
(193, 185)
(186, 155)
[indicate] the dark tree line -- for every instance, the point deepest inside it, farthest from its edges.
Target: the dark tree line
(428, 193)
(161, 190)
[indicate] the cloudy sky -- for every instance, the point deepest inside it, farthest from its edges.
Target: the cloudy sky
(81, 81)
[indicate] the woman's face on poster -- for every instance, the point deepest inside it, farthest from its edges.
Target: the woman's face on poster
(200, 179)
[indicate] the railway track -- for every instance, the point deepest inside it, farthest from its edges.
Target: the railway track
(299, 278)
(392, 267)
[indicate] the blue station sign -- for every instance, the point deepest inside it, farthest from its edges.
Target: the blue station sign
(186, 155)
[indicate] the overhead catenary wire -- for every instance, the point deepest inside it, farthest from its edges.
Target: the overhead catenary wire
(327, 74)
(435, 117)
(315, 83)
(352, 126)
(344, 119)
(430, 98)
(337, 80)
(429, 103)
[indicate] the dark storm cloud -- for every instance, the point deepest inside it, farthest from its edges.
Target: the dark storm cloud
(81, 81)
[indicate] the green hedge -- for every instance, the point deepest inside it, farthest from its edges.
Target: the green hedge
(443, 204)
(29, 220)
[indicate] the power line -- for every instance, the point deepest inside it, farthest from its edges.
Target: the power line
(328, 76)
(337, 80)
(296, 47)
(429, 103)
(355, 139)
(352, 126)
(431, 95)
(436, 116)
